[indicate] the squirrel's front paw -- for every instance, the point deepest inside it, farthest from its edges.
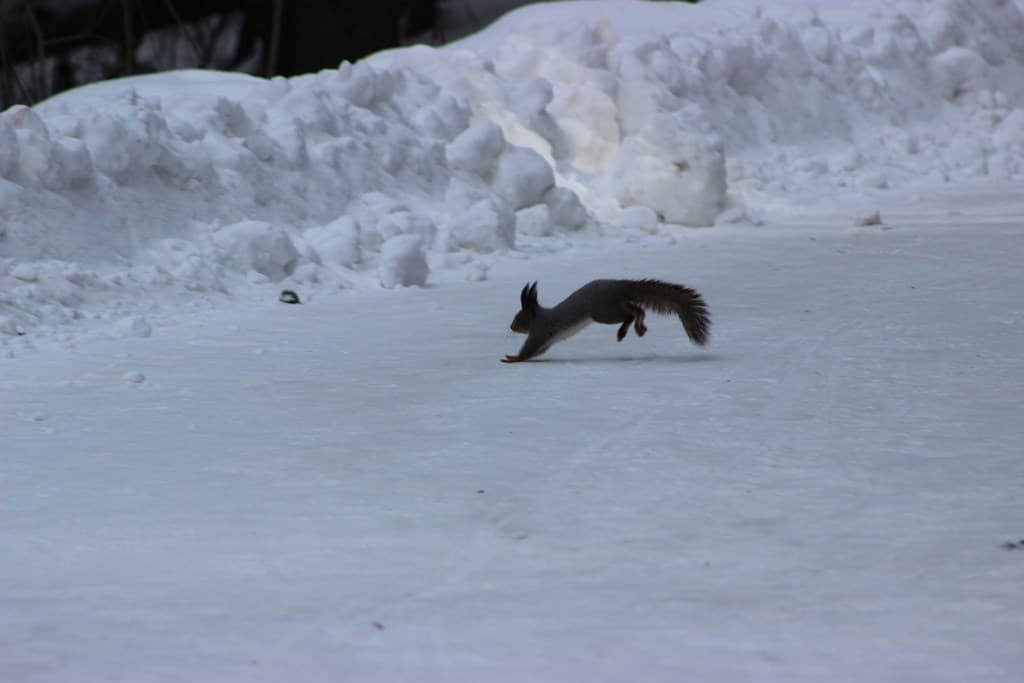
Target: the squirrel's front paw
(511, 359)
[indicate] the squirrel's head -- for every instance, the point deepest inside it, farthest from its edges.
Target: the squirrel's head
(524, 318)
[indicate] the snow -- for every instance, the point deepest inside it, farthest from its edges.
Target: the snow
(402, 262)
(587, 109)
(201, 483)
(257, 246)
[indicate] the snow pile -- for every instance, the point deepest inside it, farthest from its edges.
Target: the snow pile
(560, 117)
(689, 110)
(129, 186)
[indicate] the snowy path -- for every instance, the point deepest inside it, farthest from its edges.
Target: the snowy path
(356, 489)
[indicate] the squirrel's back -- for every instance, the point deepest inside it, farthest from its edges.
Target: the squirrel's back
(598, 299)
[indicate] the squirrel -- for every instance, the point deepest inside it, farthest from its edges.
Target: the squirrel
(612, 302)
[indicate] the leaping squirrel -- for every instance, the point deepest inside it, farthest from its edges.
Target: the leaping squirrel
(612, 302)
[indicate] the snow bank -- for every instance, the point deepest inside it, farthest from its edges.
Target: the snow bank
(114, 192)
(691, 109)
(561, 117)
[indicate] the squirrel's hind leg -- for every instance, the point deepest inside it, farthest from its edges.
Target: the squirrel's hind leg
(638, 322)
(636, 319)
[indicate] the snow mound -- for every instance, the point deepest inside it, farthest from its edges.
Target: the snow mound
(154, 187)
(561, 117)
(690, 109)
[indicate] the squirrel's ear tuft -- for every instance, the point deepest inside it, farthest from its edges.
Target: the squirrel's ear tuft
(528, 297)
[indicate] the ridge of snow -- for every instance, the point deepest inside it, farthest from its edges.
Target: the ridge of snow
(118, 198)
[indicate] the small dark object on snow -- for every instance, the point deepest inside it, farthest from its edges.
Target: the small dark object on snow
(289, 297)
(379, 626)
(1010, 545)
(870, 219)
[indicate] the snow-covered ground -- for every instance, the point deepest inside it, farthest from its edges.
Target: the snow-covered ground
(200, 483)
(357, 490)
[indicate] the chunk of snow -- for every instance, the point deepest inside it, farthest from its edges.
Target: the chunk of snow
(567, 211)
(522, 177)
(134, 326)
(641, 218)
(403, 262)
(677, 172)
(70, 165)
(476, 149)
(957, 70)
(26, 272)
(257, 246)
(476, 273)
(739, 214)
(127, 138)
(488, 225)
(534, 220)
(336, 243)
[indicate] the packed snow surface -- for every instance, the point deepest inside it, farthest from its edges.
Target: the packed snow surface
(202, 483)
(356, 489)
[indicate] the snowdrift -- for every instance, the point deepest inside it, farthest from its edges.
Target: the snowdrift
(583, 116)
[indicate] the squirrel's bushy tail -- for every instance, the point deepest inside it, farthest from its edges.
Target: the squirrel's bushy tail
(667, 297)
